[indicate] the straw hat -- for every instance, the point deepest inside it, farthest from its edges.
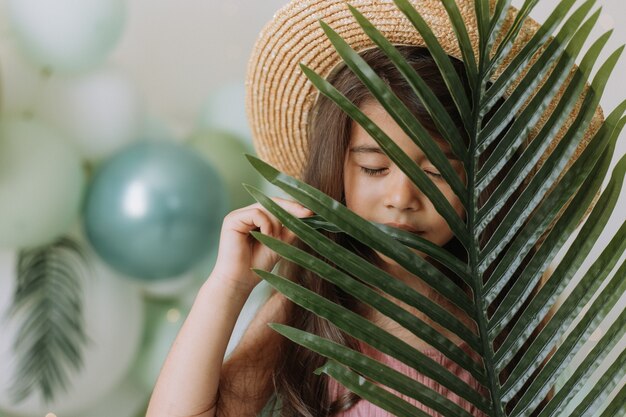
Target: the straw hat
(279, 97)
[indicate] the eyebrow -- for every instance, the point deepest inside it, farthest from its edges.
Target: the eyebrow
(365, 149)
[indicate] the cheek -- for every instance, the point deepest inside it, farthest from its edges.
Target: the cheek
(351, 192)
(355, 195)
(458, 207)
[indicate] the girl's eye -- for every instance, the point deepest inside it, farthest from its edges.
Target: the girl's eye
(433, 174)
(373, 172)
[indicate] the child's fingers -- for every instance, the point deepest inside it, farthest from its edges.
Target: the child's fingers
(257, 217)
(294, 208)
(252, 219)
(287, 235)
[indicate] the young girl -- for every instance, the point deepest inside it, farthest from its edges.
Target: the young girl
(266, 370)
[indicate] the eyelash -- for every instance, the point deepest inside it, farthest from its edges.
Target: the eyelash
(375, 172)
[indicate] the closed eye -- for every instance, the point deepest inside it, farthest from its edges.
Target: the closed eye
(373, 172)
(378, 171)
(433, 174)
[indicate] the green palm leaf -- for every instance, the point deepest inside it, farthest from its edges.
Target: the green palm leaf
(531, 231)
(617, 407)
(591, 362)
(516, 67)
(369, 367)
(448, 73)
(48, 307)
(374, 277)
(357, 384)
(363, 230)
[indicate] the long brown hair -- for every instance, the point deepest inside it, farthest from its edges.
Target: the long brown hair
(299, 392)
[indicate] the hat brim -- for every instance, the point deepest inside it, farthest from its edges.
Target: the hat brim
(279, 97)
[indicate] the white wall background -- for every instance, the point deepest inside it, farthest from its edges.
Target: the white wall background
(178, 51)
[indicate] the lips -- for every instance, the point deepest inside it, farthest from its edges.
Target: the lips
(406, 227)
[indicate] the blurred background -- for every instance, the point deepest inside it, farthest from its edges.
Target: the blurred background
(122, 134)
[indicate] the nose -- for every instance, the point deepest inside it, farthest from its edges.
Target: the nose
(401, 193)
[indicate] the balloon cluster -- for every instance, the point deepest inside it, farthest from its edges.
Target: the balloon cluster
(79, 155)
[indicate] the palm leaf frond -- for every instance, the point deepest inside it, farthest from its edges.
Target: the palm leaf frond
(617, 407)
(410, 322)
(572, 187)
(365, 366)
(356, 326)
(572, 260)
(517, 134)
(364, 388)
(450, 76)
(542, 96)
(48, 306)
(547, 175)
(519, 64)
(364, 231)
(580, 377)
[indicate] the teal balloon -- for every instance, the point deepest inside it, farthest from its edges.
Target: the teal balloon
(154, 210)
(226, 152)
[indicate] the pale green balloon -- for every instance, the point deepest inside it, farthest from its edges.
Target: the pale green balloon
(164, 318)
(41, 183)
(225, 109)
(67, 35)
(226, 152)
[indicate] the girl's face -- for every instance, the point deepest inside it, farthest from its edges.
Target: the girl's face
(377, 190)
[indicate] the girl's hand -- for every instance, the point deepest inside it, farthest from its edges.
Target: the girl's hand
(239, 251)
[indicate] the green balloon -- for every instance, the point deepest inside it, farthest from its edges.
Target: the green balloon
(164, 318)
(154, 210)
(41, 183)
(225, 152)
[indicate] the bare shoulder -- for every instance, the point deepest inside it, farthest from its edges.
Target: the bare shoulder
(246, 377)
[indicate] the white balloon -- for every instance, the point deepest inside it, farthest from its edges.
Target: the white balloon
(67, 35)
(113, 310)
(101, 111)
(42, 183)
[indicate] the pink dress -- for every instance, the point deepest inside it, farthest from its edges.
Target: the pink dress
(366, 409)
